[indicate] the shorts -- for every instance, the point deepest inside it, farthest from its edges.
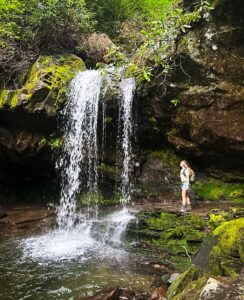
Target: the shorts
(184, 186)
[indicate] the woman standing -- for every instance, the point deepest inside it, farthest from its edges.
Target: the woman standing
(185, 186)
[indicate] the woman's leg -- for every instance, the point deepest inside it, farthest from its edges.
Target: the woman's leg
(188, 200)
(184, 199)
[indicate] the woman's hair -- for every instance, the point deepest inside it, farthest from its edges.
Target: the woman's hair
(185, 163)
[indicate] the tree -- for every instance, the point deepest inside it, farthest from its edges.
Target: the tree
(33, 26)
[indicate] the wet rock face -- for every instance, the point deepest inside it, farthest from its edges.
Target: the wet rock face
(28, 119)
(211, 114)
(2, 212)
(207, 124)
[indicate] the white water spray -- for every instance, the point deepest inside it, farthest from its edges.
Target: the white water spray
(79, 156)
(78, 166)
(127, 88)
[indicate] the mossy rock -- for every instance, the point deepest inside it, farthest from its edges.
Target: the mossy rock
(175, 234)
(217, 190)
(46, 86)
(228, 254)
(190, 279)
(87, 199)
(218, 216)
(168, 156)
(193, 290)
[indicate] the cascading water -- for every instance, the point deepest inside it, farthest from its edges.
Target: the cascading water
(80, 144)
(127, 88)
(79, 235)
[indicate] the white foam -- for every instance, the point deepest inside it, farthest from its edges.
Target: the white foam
(58, 245)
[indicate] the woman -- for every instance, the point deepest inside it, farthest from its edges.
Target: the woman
(185, 186)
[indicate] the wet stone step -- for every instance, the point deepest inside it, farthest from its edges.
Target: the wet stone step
(22, 216)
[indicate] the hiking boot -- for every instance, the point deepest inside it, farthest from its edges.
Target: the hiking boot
(188, 207)
(183, 209)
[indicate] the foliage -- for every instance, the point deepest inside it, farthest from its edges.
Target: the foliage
(53, 143)
(175, 101)
(109, 13)
(152, 48)
(28, 27)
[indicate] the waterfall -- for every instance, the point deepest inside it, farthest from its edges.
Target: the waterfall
(78, 162)
(127, 88)
(77, 236)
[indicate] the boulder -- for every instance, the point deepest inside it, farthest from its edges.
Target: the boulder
(211, 288)
(46, 86)
(227, 255)
(192, 274)
(28, 119)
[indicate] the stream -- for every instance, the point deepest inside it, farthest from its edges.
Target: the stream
(61, 264)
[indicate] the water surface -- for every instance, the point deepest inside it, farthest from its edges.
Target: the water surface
(58, 264)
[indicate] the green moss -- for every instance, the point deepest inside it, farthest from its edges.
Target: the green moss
(107, 168)
(167, 155)
(227, 254)
(3, 95)
(97, 199)
(193, 290)
(6, 97)
(193, 273)
(218, 216)
(47, 83)
(177, 235)
(180, 263)
(217, 190)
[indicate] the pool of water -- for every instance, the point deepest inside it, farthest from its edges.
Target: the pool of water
(58, 264)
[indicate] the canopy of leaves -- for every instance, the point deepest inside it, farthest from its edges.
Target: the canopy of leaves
(147, 43)
(33, 26)
(145, 31)
(110, 13)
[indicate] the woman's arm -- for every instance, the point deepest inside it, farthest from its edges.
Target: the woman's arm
(187, 173)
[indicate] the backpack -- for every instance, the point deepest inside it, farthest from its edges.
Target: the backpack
(192, 175)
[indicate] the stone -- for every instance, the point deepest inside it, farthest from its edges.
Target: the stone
(173, 277)
(209, 87)
(106, 294)
(46, 86)
(29, 133)
(95, 47)
(158, 294)
(227, 255)
(232, 290)
(192, 273)
(211, 288)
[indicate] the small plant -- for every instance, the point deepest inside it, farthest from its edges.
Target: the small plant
(53, 143)
(175, 101)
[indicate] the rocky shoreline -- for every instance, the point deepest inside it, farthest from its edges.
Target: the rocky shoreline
(197, 255)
